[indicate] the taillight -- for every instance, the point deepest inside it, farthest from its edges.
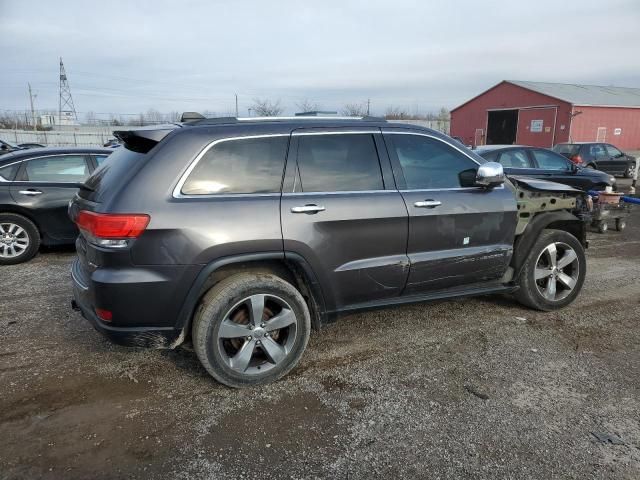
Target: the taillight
(104, 315)
(111, 230)
(577, 159)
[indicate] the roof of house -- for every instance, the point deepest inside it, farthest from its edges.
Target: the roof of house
(585, 94)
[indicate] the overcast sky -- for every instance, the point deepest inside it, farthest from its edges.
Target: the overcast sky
(127, 57)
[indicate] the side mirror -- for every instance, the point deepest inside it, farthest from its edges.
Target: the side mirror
(490, 175)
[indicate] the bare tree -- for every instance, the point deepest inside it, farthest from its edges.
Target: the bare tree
(396, 113)
(307, 105)
(91, 118)
(354, 110)
(266, 108)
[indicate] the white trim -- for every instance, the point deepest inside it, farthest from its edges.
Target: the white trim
(177, 191)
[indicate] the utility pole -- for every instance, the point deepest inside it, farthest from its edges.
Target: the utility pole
(368, 105)
(236, 105)
(33, 111)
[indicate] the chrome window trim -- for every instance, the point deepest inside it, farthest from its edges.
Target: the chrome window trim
(335, 132)
(435, 138)
(346, 192)
(24, 160)
(177, 191)
(452, 189)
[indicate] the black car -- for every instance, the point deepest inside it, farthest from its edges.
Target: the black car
(8, 147)
(36, 186)
(601, 156)
(242, 234)
(545, 164)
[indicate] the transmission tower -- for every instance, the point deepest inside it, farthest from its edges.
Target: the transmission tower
(65, 102)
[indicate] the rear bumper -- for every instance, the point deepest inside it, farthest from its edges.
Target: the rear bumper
(134, 335)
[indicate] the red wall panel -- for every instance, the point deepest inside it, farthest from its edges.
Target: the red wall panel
(545, 138)
(584, 127)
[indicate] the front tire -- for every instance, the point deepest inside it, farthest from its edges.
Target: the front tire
(19, 239)
(553, 273)
(251, 329)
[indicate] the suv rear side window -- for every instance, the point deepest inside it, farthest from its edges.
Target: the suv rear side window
(428, 163)
(338, 163)
(60, 169)
(248, 165)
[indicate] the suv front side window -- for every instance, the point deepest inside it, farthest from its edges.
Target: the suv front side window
(428, 163)
(338, 163)
(57, 169)
(245, 165)
(614, 152)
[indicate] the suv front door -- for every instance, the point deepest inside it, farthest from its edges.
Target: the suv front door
(342, 213)
(458, 234)
(45, 185)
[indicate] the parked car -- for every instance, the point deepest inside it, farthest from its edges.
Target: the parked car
(8, 147)
(31, 145)
(243, 234)
(545, 164)
(36, 186)
(601, 156)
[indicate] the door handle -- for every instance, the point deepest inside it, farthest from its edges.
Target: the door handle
(428, 204)
(307, 209)
(31, 193)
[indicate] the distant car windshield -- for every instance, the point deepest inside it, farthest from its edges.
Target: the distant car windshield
(567, 148)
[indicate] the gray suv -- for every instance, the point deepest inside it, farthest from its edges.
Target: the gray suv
(246, 234)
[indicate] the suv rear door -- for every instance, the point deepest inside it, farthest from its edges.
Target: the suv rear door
(458, 235)
(45, 186)
(342, 213)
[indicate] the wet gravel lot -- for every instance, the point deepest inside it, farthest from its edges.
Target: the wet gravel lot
(471, 388)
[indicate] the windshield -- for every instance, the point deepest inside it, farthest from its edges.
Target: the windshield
(567, 148)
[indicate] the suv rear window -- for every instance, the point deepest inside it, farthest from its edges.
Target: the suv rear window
(569, 149)
(338, 163)
(251, 165)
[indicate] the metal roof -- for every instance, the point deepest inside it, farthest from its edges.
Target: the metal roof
(585, 94)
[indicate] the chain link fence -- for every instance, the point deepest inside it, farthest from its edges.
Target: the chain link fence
(55, 138)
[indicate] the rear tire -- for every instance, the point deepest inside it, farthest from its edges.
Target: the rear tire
(19, 239)
(556, 259)
(240, 348)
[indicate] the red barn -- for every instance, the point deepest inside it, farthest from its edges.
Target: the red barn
(543, 114)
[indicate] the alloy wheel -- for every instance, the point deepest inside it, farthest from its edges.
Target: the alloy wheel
(14, 240)
(557, 270)
(257, 334)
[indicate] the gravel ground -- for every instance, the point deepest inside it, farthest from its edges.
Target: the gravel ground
(471, 388)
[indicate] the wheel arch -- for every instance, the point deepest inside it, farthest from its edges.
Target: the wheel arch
(560, 220)
(293, 269)
(18, 210)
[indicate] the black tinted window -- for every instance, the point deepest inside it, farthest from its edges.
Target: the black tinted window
(251, 165)
(8, 173)
(430, 163)
(613, 151)
(515, 159)
(61, 168)
(338, 163)
(550, 161)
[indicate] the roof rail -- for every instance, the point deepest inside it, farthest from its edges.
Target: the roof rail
(193, 118)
